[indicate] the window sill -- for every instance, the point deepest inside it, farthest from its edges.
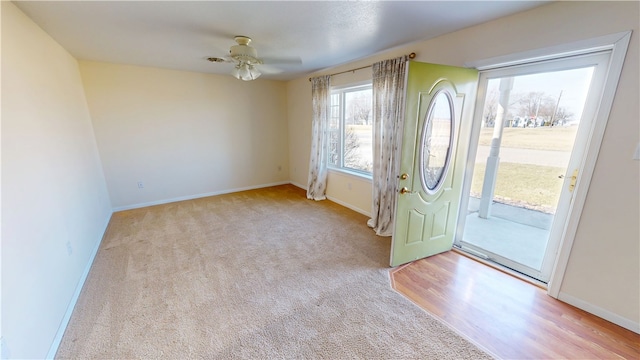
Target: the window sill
(355, 174)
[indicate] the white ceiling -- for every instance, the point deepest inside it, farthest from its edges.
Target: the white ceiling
(182, 34)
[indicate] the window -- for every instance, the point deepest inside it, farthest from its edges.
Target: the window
(350, 129)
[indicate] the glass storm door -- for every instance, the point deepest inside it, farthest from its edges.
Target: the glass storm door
(529, 145)
(438, 111)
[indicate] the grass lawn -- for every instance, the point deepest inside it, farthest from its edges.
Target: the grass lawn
(530, 186)
(541, 138)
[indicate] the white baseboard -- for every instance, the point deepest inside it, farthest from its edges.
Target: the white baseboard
(74, 299)
(298, 185)
(600, 312)
(196, 196)
(356, 209)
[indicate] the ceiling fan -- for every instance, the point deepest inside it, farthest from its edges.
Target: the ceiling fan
(246, 60)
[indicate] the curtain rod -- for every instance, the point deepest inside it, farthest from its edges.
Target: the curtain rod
(411, 56)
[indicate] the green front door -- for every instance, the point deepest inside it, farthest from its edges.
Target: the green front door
(437, 125)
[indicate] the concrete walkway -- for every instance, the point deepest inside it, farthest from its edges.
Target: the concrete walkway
(515, 233)
(527, 156)
(518, 234)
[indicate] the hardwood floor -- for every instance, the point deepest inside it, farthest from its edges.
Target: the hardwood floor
(509, 317)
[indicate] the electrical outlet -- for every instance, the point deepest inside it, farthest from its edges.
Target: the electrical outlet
(140, 185)
(69, 248)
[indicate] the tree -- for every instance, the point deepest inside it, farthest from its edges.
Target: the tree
(352, 153)
(535, 105)
(351, 146)
(359, 108)
(562, 116)
(490, 108)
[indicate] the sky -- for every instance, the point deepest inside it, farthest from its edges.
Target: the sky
(574, 85)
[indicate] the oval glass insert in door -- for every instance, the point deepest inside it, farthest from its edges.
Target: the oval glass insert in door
(436, 142)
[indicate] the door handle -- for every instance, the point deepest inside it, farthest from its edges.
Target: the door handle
(404, 190)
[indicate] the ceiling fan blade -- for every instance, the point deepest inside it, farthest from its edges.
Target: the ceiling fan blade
(267, 69)
(292, 60)
(216, 59)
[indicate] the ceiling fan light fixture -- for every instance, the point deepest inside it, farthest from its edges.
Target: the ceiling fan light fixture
(245, 71)
(254, 72)
(246, 61)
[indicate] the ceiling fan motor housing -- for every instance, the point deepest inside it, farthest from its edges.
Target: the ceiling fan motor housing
(243, 52)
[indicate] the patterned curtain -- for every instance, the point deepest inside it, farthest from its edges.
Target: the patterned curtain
(388, 119)
(321, 101)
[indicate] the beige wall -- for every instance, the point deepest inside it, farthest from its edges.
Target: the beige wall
(184, 134)
(299, 115)
(54, 196)
(603, 273)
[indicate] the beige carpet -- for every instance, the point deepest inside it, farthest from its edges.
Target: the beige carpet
(263, 274)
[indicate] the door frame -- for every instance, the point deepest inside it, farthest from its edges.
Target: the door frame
(617, 44)
(601, 62)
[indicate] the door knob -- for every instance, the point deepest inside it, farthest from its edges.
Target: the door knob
(404, 176)
(404, 190)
